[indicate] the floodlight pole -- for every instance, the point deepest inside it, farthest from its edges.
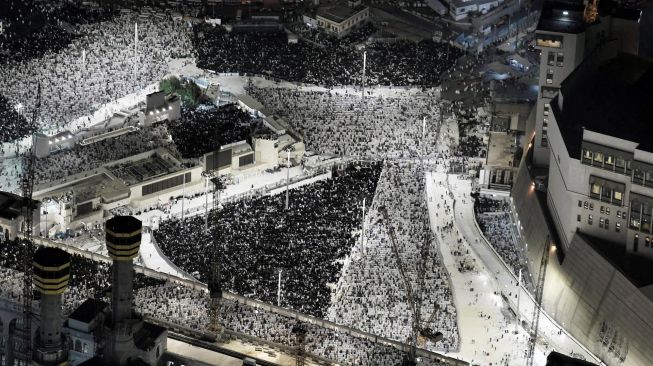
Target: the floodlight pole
(364, 64)
(279, 289)
(363, 230)
(287, 180)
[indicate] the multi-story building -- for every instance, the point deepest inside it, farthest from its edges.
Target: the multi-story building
(566, 33)
(601, 162)
(340, 20)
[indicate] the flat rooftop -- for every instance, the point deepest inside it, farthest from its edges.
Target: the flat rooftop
(613, 97)
(88, 310)
(562, 17)
(10, 205)
(339, 13)
(151, 167)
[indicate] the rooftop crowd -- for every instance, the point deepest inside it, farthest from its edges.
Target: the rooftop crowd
(83, 158)
(306, 243)
(205, 128)
(337, 124)
(400, 63)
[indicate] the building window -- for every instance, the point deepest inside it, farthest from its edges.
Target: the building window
(578, 218)
(609, 160)
(561, 59)
(647, 242)
(551, 58)
(595, 191)
(601, 222)
(607, 210)
(590, 219)
(607, 224)
(549, 76)
(623, 215)
(580, 203)
(617, 227)
(585, 205)
(591, 206)
(587, 154)
(635, 215)
(635, 242)
(616, 198)
(547, 107)
(602, 209)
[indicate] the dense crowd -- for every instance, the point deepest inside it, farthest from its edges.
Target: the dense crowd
(13, 124)
(400, 63)
(103, 64)
(343, 124)
(205, 128)
(187, 308)
(307, 242)
(493, 218)
(83, 158)
(88, 278)
(373, 294)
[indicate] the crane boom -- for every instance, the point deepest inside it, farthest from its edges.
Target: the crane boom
(537, 308)
(27, 186)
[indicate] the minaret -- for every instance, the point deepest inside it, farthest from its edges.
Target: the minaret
(51, 275)
(123, 239)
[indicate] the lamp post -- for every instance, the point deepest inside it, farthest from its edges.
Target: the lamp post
(287, 180)
(207, 176)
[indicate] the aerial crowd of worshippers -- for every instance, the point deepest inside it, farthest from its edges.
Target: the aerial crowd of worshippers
(328, 265)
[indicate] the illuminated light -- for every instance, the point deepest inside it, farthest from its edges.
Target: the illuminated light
(553, 248)
(565, 13)
(532, 186)
(70, 136)
(170, 108)
(56, 139)
(49, 142)
(151, 113)
(530, 144)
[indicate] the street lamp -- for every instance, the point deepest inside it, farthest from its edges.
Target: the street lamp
(207, 176)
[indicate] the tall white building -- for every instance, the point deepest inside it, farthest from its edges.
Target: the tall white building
(601, 160)
(566, 34)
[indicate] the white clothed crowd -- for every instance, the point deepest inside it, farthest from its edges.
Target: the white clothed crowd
(371, 294)
(378, 127)
(188, 308)
(494, 220)
(99, 67)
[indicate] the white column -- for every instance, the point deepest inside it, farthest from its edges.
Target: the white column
(363, 230)
(364, 65)
(287, 179)
(279, 289)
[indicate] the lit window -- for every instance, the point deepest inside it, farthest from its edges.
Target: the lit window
(617, 227)
(602, 209)
(549, 76)
(596, 189)
(601, 222)
(590, 219)
(585, 205)
(607, 224)
(607, 210)
(617, 196)
(609, 160)
(551, 58)
(588, 155)
(547, 106)
(598, 157)
(591, 206)
(560, 59)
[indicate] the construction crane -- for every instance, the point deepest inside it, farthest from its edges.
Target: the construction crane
(215, 280)
(299, 330)
(412, 354)
(539, 291)
(27, 186)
